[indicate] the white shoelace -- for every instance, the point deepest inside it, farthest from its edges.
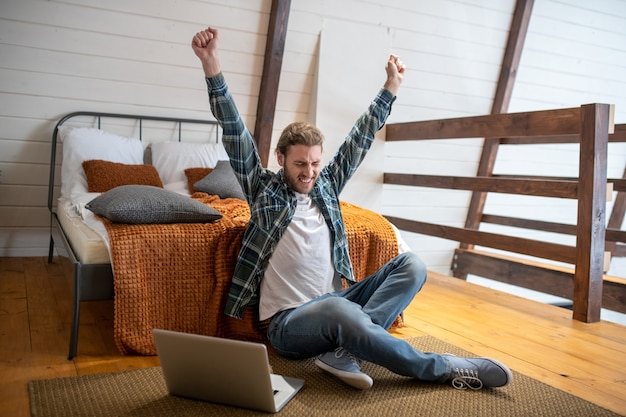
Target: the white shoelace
(466, 378)
(339, 352)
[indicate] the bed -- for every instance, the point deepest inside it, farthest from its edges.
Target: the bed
(147, 212)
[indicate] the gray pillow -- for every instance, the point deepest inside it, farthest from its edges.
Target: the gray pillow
(145, 204)
(221, 182)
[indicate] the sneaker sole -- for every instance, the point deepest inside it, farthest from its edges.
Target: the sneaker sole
(360, 381)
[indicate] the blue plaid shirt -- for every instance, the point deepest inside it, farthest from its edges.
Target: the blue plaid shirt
(272, 202)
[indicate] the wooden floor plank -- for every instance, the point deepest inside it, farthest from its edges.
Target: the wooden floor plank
(537, 340)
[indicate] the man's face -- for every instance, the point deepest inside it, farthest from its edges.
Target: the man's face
(301, 166)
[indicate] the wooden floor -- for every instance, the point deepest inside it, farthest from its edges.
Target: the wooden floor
(543, 342)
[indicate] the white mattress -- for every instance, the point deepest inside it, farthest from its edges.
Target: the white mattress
(88, 237)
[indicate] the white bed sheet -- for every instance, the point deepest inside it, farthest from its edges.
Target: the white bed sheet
(85, 232)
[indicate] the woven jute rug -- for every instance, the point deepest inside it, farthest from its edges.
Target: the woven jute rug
(142, 393)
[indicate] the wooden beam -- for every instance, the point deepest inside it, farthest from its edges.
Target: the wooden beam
(514, 272)
(527, 274)
(619, 184)
(566, 229)
(539, 249)
(274, 49)
(619, 136)
(614, 294)
(615, 235)
(512, 55)
(611, 235)
(506, 82)
(525, 140)
(591, 212)
(534, 123)
(534, 187)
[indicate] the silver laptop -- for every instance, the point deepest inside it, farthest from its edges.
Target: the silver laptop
(224, 371)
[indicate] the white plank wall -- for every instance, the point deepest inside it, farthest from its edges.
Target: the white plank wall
(125, 57)
(119, 56)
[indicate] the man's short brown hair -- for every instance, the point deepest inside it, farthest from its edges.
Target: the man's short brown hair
(299, 133)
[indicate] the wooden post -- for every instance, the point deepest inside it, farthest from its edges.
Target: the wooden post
(506, 81)
(274, 49)
(590, 234)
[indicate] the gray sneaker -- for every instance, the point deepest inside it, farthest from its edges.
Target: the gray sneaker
(346, 367)
(477, 373)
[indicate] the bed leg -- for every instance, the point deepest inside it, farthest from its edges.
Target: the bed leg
(74, 334)
(51, 250)
(75, 315)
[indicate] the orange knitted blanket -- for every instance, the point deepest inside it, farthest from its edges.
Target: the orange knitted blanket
(176, 276)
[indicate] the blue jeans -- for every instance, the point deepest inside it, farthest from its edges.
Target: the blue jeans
(357, 319)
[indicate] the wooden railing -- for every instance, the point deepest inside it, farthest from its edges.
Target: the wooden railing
(586, 285)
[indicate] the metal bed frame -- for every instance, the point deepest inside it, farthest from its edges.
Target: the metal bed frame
(92, 281)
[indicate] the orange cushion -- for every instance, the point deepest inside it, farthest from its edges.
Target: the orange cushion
(194, 175)
(105, 175)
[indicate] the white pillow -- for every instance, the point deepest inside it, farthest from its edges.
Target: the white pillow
(180, 187)
(171, 159)
(82, 144)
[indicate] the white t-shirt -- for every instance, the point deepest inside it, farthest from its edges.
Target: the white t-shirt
(301, 267)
